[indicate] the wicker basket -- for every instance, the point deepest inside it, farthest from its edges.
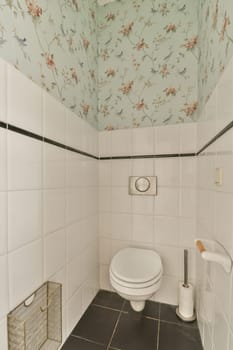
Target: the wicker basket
(37, 322)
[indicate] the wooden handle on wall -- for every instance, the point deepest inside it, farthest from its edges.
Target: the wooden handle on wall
(200, 246)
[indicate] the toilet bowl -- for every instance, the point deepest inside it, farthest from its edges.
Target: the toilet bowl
(136, 275)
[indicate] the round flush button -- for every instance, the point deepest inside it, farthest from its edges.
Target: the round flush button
(142, 184)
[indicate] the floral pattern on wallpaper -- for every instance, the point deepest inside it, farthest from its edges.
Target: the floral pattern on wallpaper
(148, 54)
(215, 42)
(54, 43)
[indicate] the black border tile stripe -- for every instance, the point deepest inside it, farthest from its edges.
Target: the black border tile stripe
(171, 155)
(24, 132)
(145, 156)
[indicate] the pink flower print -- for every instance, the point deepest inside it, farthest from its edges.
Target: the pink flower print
(85, 108)
(50, 61)
(141, 45)
(33, 8)
(105, 55)
(170, 28)
(110, 17)
(105, 110)
(140, 105)
(191, 43)
(74, 75)
(226, 23)
(86, 43)
(126, 29)
(126, 88)
(110, 72)
(164, 71)
(189, 109)
(171, 91)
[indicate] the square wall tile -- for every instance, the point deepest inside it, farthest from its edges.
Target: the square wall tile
(53, 167)
(24, 218)
(3, 100)
(3, 160)
(188, 202)
(54, 118)
(25, 272)
(188, 171)
(27, 115)
(121, 200)
(3, 334)
(76, 241)
(74, 310)
(188, 138)
(122, 226)
(143, 141)
(24, 162)
(121, 170)
(74, 205)
(221, 330)
(167, 202)
(143, 167)
(54, 210)
(105, 173)
(74, 170)
(54, 252)
(143, 205)
(167, 139)
(105, 143)
(75, 274)
(143, 228)
(166, 230)
(167, 171)
(4, 286)
(3, 223)
(122, 142)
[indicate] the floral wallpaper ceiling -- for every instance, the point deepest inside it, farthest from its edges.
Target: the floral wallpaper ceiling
(215, 42)
(148, 59)
(54, 43)
(147, 63)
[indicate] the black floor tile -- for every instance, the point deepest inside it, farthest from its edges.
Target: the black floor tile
(168, 313)
(135, 333)
(108, 299)
(74, 343)
(151, 309)
(176, 337)
(97, 324)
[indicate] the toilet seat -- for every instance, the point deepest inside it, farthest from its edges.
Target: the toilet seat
(135, 285)
(136, 268)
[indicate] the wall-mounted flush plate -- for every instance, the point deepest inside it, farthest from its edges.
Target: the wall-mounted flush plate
(143, 185)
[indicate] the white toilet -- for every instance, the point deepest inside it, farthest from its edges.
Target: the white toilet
(136, 275)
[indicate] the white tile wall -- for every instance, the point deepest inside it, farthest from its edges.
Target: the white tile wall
(214, 217)
(165, 223)
(48, 201)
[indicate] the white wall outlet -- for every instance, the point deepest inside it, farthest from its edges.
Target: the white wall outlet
(218, 176)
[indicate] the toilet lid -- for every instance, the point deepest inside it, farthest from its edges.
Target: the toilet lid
(136, 265)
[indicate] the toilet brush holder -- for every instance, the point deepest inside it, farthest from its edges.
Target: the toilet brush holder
(185, 310)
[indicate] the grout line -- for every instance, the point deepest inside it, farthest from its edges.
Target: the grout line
(158, 335)
(106, 307)
(85, 339)
(114, 331)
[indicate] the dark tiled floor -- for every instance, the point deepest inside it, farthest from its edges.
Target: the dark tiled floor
(110, 324)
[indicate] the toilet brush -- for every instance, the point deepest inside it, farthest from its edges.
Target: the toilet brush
(185, 309)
